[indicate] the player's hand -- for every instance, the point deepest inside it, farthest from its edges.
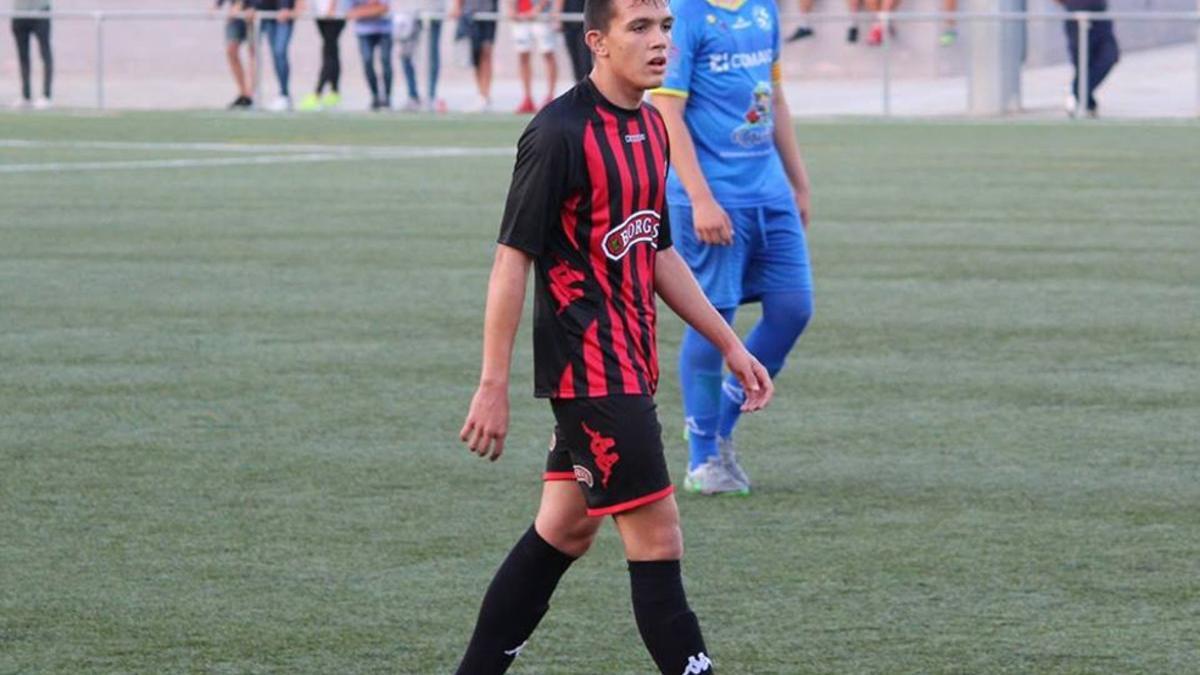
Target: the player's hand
(804, 204)
(487, 421)
(755, 380)
(711, 222)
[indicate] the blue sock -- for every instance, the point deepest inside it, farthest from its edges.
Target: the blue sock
(784, 317)
(700, 381)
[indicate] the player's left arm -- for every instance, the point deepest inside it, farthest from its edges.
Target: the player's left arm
(674, 283)
(789, 148)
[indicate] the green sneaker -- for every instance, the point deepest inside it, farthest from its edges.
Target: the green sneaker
(713, 478)
(948, 37)
(331, 100)
(310, 103)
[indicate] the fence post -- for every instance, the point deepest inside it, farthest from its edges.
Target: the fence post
(1083, 31)
(254, 26)
(885, 19)
(98, 18)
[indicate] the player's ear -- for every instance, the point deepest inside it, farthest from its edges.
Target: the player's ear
(596, 42)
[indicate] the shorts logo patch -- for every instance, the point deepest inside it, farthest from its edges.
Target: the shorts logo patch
(641, 226)
(600, 447)
(582, 475)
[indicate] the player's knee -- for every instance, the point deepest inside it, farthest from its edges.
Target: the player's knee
(571, 538)
(662, 543)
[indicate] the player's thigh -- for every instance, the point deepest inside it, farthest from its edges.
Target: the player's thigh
(718, 269)
(651, 531)
(562, 518)
(779, 263)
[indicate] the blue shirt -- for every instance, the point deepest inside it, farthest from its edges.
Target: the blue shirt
(725, 60)
(379, 25)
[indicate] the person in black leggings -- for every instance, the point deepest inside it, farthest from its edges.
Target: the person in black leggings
(330, 27)
(23, 28)
(581, 56)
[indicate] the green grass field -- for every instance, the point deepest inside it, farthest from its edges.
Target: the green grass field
(230, 394)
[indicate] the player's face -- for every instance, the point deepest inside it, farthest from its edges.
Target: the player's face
(637, 41)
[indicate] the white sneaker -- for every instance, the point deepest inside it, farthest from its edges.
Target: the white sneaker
(21, 104)
(411, 105)
(482, 105)
(728, 454)
(42, 103)
(713, 478)
(1070, 104)
(280, 104)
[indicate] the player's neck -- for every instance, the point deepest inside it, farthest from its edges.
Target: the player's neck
(615, 90)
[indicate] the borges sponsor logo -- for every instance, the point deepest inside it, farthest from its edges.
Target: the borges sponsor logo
(641, 226)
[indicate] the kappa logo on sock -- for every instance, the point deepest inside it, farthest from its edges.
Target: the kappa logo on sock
(600, 450)
(698, 664)
(516, 651)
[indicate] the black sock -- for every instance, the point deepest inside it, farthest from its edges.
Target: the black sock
(668, 626)
(515, 602)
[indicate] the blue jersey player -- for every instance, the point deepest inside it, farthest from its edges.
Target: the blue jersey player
(738, 198)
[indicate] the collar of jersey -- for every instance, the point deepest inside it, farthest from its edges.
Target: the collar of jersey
(731, 5)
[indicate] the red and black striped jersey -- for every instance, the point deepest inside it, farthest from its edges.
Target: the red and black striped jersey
(588, 202)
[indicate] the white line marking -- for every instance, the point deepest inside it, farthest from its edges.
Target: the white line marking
(330, 154)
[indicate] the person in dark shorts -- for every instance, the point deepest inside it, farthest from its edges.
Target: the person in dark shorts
(24, 28)
(587, 210)
(237, 34)
(1102, 53)
(330, 26)
(482, 34)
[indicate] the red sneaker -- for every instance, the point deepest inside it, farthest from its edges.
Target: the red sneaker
(875, 37)
(526, 107)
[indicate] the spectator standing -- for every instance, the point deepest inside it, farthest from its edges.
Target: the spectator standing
(530, 29)
(373, 26)
(24, 28)
(330, 25)
(577, 49)
(1102, 51)
(236, 34)
(277, 31)
(482, 34)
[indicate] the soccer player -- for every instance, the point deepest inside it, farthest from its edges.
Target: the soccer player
(739, 197)
(586, 211)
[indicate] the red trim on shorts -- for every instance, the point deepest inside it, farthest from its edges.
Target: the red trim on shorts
(558, 475)
(632, 503)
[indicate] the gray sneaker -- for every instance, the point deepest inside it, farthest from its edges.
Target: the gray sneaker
(713, 478)
(728, 454)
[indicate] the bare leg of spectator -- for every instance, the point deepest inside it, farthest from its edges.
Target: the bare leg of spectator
(551, 75)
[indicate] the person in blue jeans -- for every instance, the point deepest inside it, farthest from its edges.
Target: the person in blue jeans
(373, 26)
(1102, 50)
(277, 32)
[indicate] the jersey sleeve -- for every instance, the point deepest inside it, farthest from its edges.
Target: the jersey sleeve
(682, 54)
(539, 186)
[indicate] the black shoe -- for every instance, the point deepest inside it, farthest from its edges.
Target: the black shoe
(241, 102)
(852, 34)
(800, 33)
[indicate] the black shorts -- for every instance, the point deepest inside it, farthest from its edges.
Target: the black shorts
(235, 30)
(482, 32)
(613, 448)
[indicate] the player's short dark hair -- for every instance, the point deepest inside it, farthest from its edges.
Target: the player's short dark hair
(597, 14)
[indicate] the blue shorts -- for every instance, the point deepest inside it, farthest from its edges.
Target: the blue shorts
(769, 254)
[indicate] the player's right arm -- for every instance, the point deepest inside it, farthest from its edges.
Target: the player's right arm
(486, 425)
(710, 221)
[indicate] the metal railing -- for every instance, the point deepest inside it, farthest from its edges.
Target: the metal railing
(1083, 20)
